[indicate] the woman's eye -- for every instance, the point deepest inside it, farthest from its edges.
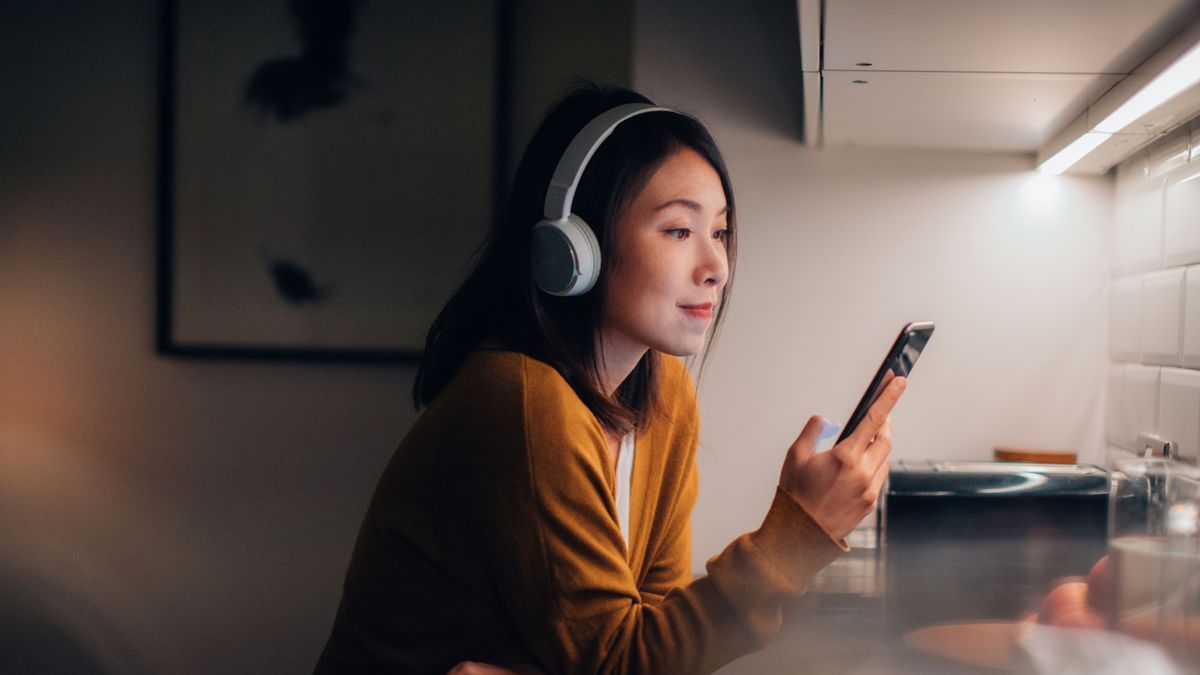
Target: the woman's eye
(679, 233)
(722, 234)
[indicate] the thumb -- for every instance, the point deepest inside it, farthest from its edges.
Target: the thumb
(802, 448)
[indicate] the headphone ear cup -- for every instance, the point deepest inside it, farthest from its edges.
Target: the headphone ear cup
(565, 256)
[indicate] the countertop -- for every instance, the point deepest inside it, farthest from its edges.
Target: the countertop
(954, 561)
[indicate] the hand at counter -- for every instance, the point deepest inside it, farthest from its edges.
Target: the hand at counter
(1077, 604)
(1166, 639)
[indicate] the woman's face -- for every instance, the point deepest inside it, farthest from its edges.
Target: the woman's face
(671, 262)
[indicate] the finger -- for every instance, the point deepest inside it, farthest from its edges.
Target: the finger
(880, 446)
(888, 377)
(877, 415)
(878, 479)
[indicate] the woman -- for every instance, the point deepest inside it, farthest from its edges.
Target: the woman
(538, 513)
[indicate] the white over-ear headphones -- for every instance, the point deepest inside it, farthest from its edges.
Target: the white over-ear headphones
(566, 254)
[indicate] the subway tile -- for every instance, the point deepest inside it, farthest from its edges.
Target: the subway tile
(1179, 409)
(1181, 218)
(1139, 403)
(1191, 318)
(1161, 310)
(1145, 227)
(1169, 153)
(1125, 321)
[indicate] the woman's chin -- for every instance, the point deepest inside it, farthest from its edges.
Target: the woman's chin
(681, 350)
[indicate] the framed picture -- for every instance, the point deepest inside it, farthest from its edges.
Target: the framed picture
(326, 172)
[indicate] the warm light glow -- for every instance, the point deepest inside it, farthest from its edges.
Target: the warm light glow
(1063, 159)
(1040, 210)
(1179, 76)
(1040, 193)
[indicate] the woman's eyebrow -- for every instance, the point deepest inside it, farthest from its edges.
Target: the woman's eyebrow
(688, 204)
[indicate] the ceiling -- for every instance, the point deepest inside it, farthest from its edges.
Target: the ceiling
(986, 75)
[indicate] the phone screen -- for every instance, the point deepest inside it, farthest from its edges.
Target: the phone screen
(899, 362)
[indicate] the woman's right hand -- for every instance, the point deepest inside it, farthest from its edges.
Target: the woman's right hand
(839, 488)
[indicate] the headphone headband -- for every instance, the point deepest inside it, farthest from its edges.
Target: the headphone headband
(570, 168)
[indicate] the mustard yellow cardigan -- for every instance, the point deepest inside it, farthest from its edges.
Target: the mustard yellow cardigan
(492, 536)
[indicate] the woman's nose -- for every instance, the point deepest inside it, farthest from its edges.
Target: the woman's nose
(713, 267)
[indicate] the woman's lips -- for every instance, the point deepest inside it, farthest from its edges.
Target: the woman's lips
(704, 311)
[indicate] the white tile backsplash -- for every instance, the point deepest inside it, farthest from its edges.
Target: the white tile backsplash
(1169, 153)
(1154, 331)
(1145, 227)
(1181, 218)
(1179, 409)
(1139, 404)
(1125, 319)
(1191, 318)
(1160, 319)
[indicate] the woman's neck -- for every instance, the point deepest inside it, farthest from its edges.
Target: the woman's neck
(616, 361)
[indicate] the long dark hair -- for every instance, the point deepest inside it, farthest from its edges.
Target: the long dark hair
(499, 300)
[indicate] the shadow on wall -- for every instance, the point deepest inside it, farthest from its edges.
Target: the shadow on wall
(46, 631)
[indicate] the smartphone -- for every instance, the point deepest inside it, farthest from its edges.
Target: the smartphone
(898, 362)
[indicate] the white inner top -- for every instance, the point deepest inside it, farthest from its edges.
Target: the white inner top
(624, 479)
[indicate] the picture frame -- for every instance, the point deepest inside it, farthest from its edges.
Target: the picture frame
(325, 172)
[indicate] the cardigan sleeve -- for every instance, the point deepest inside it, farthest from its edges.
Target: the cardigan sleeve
(556, 559)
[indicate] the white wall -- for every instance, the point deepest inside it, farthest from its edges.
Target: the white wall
(841, 246)
(1154, 380)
